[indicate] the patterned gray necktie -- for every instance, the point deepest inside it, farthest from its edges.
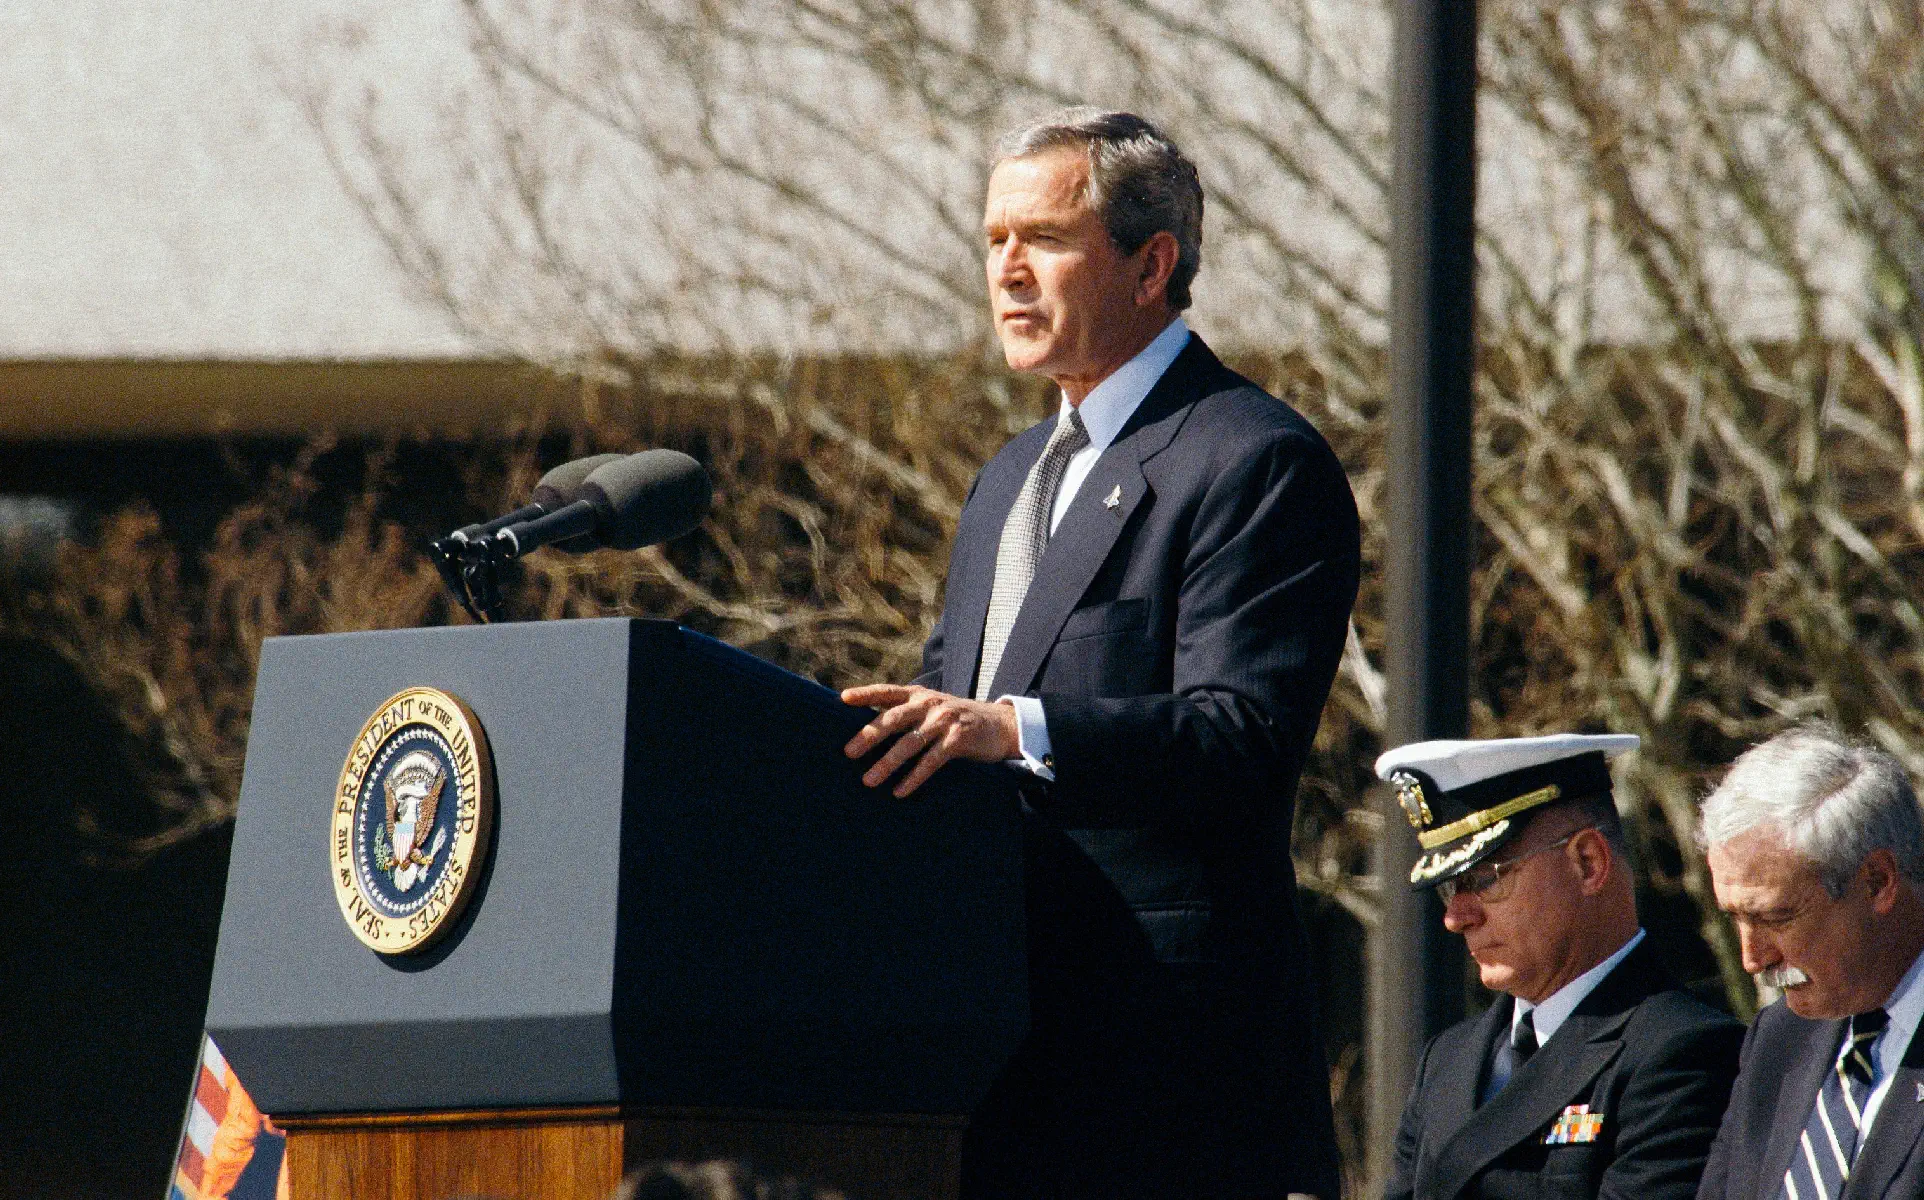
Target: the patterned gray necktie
(1822, 1163)
(1023, 536)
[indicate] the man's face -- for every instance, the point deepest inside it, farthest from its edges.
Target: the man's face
(1525, 943)
(1786, 918)
(1061, 293)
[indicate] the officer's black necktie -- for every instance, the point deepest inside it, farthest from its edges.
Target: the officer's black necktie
(1824, 1154)
(1507, 1056)
(1523, 1040)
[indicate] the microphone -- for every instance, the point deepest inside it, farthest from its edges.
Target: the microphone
(555, 490)
(624, 505)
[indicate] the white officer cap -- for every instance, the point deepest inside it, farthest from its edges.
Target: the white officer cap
(1461, 796)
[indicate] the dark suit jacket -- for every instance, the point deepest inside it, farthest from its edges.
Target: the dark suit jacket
(1654, 1061)
(1784, 1061)
(1183, 642)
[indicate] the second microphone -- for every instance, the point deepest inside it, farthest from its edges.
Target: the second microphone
(632, 502)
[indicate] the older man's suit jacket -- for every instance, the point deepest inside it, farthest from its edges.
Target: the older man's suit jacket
(1784, 1061)
(1655, 1062)
(1183, 629)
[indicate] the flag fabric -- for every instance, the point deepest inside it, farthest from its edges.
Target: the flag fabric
(228, 1149)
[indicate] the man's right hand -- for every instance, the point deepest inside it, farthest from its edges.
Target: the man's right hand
(930, 728)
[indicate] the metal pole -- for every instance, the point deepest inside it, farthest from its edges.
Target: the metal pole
(1416, 967)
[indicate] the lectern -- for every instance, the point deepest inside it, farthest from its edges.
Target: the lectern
(685, 927)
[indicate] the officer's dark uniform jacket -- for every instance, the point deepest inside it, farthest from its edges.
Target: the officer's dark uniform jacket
(1652, 1062)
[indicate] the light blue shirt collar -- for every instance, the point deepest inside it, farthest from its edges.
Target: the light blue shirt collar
(1906, 1007)
(1108, 407)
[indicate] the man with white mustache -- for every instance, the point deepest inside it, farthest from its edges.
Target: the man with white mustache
(1816, 849)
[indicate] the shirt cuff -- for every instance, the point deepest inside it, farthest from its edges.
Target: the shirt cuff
(1032, 733)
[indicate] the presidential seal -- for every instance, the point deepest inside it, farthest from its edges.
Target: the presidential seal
(412, 816)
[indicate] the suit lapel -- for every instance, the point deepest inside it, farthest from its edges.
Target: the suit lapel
(1896, 1132)
(1589, 1039)
(1460, 1080)
(1082, 541)
(1090, 527)
(1796, 1094)
(1530, 1101)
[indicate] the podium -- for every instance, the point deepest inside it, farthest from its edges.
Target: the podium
(692, 932)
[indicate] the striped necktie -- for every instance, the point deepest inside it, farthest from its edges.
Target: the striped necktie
(1024, 535)
(1829, 1144)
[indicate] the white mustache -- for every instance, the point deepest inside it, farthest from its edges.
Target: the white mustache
(1782, 976)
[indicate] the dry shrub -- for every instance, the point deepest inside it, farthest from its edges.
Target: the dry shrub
(838, 481)
(171, 639)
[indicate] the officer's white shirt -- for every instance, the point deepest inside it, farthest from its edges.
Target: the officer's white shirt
(1549, 1016)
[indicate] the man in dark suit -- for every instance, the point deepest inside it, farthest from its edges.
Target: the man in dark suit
(1593, 1074)
(1817, 853)
(1147, 599)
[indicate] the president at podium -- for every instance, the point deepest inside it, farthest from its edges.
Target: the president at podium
(1147, 599)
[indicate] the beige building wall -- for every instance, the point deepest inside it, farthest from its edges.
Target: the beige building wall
(63, 399)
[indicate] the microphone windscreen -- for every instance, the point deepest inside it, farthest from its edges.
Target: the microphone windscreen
(563, 484)
(649, 497)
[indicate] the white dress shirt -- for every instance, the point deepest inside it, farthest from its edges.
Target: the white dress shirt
(1549, 1016)
(1105, 410)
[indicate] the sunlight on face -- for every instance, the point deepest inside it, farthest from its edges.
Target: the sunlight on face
(1794, 935)
(1060, 292)
(1524, 942)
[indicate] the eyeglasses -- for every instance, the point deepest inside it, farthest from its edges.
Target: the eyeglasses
(1492, 882)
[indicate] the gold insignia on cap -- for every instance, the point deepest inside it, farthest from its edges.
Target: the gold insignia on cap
(1409, 794)
(1488, 817)
(1432, 866)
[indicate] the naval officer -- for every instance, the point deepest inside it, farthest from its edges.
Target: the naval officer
(1593, 1074)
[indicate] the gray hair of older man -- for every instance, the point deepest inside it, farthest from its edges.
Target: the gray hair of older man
(1140, 184)
(1831, 799)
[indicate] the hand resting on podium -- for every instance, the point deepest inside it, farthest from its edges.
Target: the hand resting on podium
(933, 727)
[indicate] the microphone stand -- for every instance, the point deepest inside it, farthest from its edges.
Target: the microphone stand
(481, 573)
(445, 554)
(470, 567)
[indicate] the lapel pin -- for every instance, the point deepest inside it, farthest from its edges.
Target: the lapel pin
(1114, 498)
(1920, 1093)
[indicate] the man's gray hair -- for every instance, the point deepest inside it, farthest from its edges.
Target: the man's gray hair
(1140, 184)
(1833, 801)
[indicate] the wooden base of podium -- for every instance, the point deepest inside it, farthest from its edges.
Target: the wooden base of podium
(582, 1153)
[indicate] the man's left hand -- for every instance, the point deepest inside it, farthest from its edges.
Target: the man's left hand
(934, 727)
